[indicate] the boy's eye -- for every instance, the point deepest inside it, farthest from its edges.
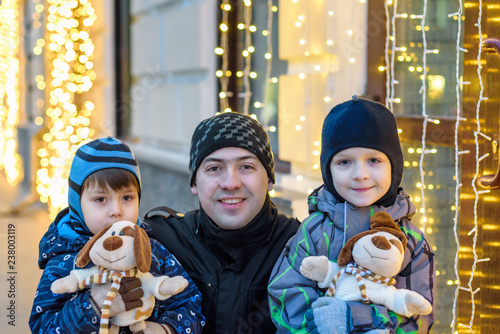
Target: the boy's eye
(373, 160)
(99, 199)
(127, 198)
(343, 162)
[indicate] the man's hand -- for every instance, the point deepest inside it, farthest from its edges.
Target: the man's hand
(128, 297)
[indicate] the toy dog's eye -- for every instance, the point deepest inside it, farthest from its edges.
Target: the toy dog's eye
(113, 233)
(397, 244)
(122, 233)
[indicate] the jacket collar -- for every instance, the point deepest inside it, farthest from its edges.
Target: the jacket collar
(234, 243)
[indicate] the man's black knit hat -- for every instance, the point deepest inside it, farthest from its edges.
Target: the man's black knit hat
(230, 130)
(362, 123)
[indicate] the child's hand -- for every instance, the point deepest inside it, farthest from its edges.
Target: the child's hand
(328, 315)
(315, 267)
(65, 284)
(172, 286)
(154, 328)
(128, 297)
(131, 292)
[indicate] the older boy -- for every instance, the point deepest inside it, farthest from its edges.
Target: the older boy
(362, 167)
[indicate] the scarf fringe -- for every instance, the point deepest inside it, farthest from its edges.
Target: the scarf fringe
(103, 277)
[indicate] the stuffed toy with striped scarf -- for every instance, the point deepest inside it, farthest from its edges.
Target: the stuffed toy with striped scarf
(365, 268)
(120, 250)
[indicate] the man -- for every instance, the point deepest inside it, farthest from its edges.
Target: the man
(230, 245)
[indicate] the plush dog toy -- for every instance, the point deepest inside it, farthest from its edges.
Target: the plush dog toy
(365, 267)
(120, 250)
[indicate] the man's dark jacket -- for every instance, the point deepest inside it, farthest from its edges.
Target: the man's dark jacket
(230, 267)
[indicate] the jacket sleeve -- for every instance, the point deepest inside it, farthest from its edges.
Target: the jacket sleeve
(290, 293)
(61, 313)
(181, 311)
(418, 275)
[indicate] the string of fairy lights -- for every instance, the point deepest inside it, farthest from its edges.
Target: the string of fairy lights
(390, 55)
(423, 93)
(68, 56)
(9, 90)
(477, 133)
(246, 74)
(458, 184)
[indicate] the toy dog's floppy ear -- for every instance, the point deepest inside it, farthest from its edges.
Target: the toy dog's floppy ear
(83, 257)
(345, 255)
(142, 249)
(382, 221)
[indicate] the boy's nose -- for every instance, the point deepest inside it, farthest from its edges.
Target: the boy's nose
(230, 180)
(115, 209)
(360, 172)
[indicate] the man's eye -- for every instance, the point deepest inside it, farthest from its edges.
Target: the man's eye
(213, 169)
(247, 167)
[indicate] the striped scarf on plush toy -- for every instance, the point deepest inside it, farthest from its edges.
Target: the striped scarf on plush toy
(359, 273)
(106, 276)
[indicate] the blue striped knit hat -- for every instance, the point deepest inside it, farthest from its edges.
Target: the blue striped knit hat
(96, 155)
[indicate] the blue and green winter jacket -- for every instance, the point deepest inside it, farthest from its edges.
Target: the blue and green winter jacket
(325, 232)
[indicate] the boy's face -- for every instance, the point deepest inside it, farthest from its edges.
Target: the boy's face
(104, 206)
(231, 184)
(361, 175)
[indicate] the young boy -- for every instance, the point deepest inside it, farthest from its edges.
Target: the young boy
(104, 187)
(362, 167)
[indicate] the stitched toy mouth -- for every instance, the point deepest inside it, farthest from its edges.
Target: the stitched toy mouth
(376, 257)
(109, 260)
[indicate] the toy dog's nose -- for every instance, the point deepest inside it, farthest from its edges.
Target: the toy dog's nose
(112, 243)
(381, 242)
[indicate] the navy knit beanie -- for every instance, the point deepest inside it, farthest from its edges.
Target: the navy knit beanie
(362, 123)
(96, 155)
(230, 130)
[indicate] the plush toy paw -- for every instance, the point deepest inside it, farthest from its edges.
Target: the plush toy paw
(314, 267)
(173, 285)
(418, 304)
(65, 284)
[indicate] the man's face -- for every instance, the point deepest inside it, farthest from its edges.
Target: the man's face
(361, 175)
(231, 184)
